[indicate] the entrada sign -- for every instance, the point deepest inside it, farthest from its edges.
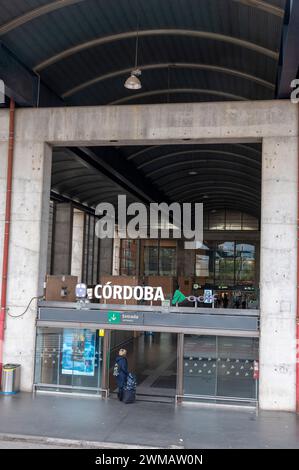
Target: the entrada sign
(117, 318)
(114, 317)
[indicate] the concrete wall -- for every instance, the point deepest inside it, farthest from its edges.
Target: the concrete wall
(155, 124)
(273, 122)
(278, 273)
(28, 249)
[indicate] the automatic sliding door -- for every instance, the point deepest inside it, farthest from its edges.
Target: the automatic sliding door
(235, 370)
(200, 376)
(219, 368)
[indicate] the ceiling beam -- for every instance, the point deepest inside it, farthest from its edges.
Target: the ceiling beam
(154, 147)
(55, 196)
(114, 165)
(262, 5)
(156, 32)
(195, 164)
(199, 91)
(176, 65)
(242, 157)
(58, 4)
(216, 190)
(203, 182)
(22, 84)
(36, 13)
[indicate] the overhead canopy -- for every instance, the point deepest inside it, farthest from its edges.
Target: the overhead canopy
(189, 50)
(80, 52)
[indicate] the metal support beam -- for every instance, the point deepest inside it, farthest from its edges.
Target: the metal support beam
(113, 165)
(22, 85)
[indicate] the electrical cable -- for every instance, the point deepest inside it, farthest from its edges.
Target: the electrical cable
(27, 308)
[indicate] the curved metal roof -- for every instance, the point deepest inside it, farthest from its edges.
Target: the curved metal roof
(226, 176)
(219, 175)
(74, 179)
(188, 50)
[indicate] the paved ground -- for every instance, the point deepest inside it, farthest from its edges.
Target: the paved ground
(5, 445)
(145, 424)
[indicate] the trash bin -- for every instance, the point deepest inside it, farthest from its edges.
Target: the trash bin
(11, 374)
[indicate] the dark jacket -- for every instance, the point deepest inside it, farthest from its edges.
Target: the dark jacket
(123, 371)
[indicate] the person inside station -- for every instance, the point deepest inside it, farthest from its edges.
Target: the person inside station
(225, 301)
(122, 372)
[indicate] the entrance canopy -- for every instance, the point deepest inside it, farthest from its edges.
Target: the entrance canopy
(80, 52)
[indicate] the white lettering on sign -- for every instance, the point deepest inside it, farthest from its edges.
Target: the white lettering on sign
(130, 317)
(107, 291)
(201, 298)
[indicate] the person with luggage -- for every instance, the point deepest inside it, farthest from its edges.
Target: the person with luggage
(121, 372)
(129, 392)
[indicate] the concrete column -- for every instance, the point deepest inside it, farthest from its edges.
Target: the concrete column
(62, 246)
(278, 273)
(106, 256)
(77, 244)
(28, 249)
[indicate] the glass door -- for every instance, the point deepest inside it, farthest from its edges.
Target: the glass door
(68, 359)
(219, 368)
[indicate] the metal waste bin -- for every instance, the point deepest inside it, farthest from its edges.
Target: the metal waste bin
(11, 374)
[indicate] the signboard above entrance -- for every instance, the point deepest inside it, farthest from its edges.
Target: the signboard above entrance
(147, 318)
(116, 292)
(118, 318)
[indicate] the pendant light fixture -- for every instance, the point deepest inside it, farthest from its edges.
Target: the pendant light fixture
(133, 82)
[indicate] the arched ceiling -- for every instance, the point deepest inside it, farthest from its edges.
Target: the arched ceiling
(222, 176)
(189, 50)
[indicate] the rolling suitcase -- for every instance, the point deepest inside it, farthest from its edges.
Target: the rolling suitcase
(129, 396)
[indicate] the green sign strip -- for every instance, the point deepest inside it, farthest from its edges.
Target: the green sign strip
(114, 317)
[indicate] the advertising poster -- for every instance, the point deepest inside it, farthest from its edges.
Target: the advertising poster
(78, 355)
(208, 296)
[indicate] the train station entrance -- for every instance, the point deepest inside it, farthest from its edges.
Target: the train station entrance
(215, 361)
(228, 282)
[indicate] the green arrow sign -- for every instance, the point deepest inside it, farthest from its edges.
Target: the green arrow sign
(114, 317)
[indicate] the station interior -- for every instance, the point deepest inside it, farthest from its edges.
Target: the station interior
(226, 179)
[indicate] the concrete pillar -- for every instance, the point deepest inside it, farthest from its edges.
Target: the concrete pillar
(278, 273)
(106, 256)
(63, 232)
(77, 244)
(28, 249)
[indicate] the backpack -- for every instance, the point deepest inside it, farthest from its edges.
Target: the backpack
(131, 383)
(116, 370)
